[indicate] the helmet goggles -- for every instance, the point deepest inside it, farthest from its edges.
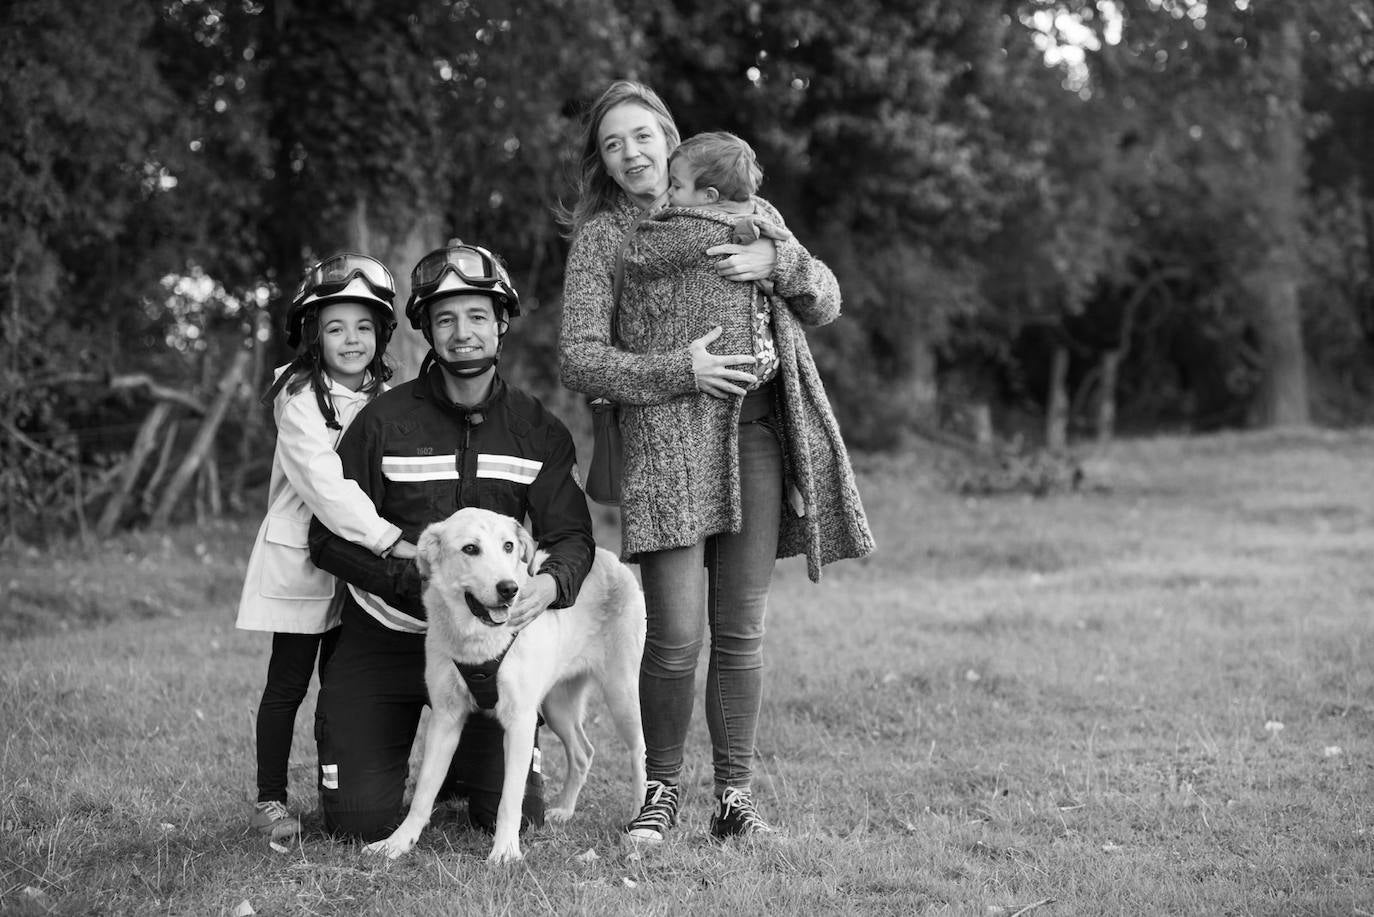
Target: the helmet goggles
(474, 266)
(335, 273)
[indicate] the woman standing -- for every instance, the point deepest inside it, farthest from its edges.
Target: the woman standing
(709, 446)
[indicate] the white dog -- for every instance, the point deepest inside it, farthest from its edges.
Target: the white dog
(474, 561)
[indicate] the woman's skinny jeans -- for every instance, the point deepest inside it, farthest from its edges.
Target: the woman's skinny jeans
(733, 589)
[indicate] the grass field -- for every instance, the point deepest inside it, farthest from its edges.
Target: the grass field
(1152, 696)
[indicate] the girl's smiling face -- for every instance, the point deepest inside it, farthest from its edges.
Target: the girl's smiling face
(348, 341)
(634, 151)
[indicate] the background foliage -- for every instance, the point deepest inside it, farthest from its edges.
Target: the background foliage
(1050, 218)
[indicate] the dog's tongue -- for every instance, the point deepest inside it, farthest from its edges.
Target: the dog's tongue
(494, 615)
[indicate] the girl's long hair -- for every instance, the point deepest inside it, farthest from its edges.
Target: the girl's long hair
(307, 368)
(596, 191)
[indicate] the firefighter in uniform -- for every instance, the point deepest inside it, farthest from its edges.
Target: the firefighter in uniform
(455, 436)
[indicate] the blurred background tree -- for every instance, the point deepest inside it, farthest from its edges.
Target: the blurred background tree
(1053, 220)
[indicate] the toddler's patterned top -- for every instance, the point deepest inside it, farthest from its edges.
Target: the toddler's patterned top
(765, 350)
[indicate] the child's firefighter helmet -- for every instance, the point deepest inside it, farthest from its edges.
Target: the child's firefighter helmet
(343, 277)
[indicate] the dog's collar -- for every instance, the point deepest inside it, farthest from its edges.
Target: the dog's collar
(480, 677)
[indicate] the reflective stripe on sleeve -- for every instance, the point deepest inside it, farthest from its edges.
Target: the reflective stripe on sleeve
(387, 616)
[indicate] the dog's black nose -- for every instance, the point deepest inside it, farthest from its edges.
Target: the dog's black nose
(507, 589)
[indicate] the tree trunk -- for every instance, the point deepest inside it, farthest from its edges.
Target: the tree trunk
(980, 419)
(918, 388)
(1109, 368)
(213, 497)
(408, 346)
(1282, 398)
(83, 530)
(253, 413)
(1057, 407)
(969, 387)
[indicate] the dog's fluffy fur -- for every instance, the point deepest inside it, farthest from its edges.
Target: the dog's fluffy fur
(472, 561)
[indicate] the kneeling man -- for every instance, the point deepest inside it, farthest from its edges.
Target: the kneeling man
(455, 436)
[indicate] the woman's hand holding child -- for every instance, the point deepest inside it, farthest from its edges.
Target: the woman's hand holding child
(754, 261)
(712, 371)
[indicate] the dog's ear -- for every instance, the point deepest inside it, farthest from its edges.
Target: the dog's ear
(527, 548)
(429, 547)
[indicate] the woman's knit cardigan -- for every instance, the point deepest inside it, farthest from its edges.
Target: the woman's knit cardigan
(681, 479)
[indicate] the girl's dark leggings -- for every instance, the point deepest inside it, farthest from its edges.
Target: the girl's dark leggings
(288, 678)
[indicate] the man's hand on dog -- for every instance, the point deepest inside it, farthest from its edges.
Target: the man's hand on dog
(533, 599)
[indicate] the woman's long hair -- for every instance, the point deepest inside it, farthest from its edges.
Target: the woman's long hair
(596, 190)
(307, 367)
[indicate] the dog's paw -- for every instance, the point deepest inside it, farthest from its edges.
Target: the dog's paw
(559, 814)
(505, 853)
(393, 847)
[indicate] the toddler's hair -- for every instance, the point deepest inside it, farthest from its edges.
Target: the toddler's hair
(720, 160)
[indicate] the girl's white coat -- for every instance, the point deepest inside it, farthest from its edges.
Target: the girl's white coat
(282, 590)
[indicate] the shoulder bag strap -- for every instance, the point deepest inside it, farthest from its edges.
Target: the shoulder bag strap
(616, 285)
(619, 282)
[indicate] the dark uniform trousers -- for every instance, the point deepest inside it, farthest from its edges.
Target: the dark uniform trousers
(371, 696)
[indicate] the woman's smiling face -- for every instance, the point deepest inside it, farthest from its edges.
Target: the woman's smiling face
(634, 151)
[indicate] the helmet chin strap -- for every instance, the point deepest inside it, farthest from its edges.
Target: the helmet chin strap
(465, 369)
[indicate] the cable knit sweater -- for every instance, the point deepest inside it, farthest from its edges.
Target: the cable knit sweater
(681, 479)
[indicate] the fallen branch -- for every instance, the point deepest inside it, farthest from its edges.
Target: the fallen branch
(164, 461)
(81, 494)
(31, 445)
(969, 447)
(1012, 910)
(132, 465)
(204, 438)
(126, 381)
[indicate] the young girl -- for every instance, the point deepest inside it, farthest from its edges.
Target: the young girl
(339, 322)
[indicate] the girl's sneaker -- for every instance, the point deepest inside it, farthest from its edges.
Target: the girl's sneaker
(657, 815)
(274, 821)
(737, 816)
